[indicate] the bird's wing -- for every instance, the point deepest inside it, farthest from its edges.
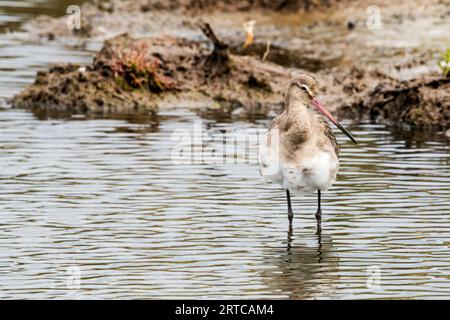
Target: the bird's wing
(330, 135)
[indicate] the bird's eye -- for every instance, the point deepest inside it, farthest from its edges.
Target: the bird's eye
(304, 88)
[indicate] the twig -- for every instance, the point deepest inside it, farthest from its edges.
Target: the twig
(209, 33)
(266, 53)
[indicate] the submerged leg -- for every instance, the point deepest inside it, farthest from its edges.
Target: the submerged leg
(319, 214)
(290, 213)
(289, 239)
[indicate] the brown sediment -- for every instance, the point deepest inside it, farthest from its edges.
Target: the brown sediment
(313, 62)
(179, 70)
(227, 79)
(422, 102)
(235, 5)
(183, 68)
(67, 89)
(370, 94)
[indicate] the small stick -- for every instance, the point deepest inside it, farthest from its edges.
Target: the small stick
(266, 53)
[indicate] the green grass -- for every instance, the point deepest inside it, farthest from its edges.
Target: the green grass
(444, 62)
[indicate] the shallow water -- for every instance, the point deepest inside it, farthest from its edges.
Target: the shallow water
(102, 200)
(105, 196)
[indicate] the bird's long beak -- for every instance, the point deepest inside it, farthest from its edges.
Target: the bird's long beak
(322, 109)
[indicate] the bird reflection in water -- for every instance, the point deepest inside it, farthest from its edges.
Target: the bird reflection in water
(303, 270)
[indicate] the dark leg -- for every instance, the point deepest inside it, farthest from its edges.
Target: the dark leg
(290, 213)
(319, 214)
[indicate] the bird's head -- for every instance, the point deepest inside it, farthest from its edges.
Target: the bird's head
(304, 89)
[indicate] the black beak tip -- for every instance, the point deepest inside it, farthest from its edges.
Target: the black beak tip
(348, 134)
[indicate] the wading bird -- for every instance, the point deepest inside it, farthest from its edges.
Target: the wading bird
(300, 151)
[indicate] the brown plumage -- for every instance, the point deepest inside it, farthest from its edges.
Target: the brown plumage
(328, 132)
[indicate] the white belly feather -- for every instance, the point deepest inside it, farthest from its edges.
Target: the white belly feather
(310, 175)
(307, 175)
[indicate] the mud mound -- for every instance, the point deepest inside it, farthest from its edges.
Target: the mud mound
(66, 90)
(423, 102)
(131, 76)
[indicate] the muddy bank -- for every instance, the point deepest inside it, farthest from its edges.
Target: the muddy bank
(66, 90)
(422, 102)
(350, 61)
(130, 76)
(136, 77)
(375, 96)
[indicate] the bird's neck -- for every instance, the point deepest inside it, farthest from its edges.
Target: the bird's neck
(297, 111)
